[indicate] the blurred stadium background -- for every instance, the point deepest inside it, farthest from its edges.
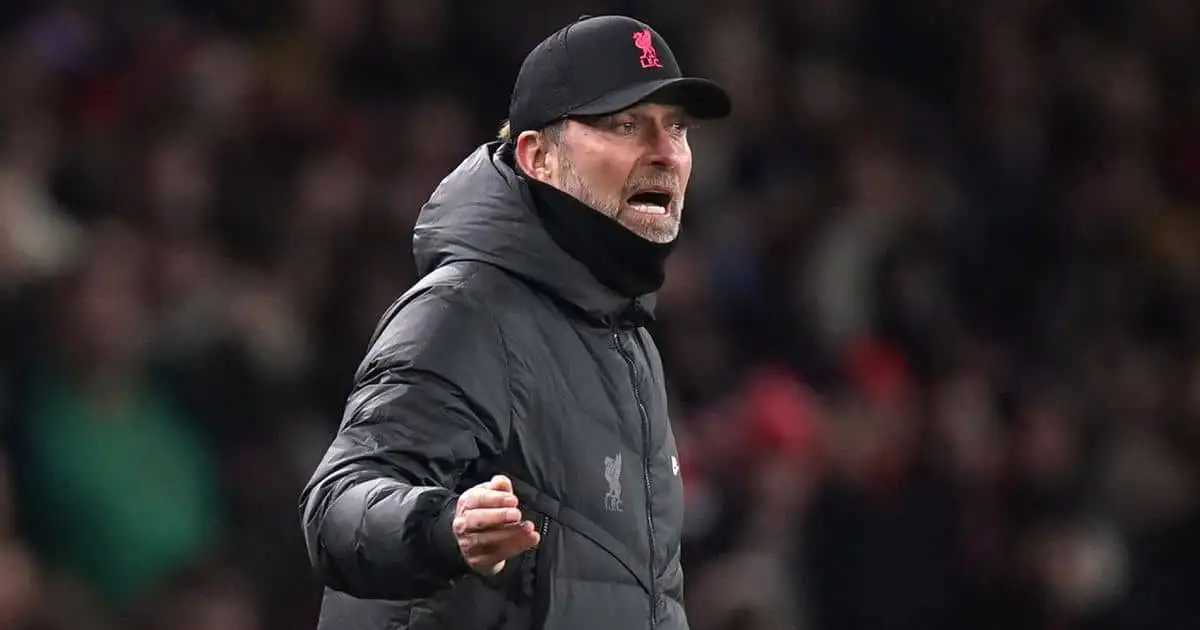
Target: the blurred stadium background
(933, 330)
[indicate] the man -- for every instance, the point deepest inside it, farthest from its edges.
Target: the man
(505, 460)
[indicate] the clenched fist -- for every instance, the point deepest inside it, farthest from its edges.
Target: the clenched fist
(488, 526)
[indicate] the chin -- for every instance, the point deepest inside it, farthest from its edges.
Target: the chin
(659, 229)
(662, 238)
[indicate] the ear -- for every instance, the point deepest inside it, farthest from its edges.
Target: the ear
(535, 156)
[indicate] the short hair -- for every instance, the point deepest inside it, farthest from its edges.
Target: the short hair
(553, 132)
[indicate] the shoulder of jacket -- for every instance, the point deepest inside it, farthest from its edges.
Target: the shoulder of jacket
(432, 319)
(463, 298)
(472, 278)
(468, 289)
(499, 292)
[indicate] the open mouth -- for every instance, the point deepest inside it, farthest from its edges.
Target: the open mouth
(650, 201)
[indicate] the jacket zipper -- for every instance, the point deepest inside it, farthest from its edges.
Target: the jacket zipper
(537, 588)
(637, 394)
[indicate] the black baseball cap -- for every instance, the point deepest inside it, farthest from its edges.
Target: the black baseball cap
(604, 64)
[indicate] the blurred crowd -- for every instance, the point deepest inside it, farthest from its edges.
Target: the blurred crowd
(932, 331)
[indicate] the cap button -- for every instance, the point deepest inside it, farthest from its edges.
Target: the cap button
(583, 17)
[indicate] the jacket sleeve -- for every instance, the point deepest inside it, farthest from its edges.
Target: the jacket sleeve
(431, 396)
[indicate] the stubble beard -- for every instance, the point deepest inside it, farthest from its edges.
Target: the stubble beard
(656, 229)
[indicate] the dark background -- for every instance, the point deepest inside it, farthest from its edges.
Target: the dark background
(932, 331)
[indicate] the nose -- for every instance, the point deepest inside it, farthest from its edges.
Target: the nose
(665, 149)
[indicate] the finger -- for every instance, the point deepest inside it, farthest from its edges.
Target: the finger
(493, 546)
(526, 526)
(476, 498)
(518, 542)
(489, 569)
(500, 483)
(485, 518)
(495, 541)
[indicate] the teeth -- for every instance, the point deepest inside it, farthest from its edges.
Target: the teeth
(648, 208)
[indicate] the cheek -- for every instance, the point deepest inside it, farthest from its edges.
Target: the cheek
(685, 166)
(607, 175)
(617, 177)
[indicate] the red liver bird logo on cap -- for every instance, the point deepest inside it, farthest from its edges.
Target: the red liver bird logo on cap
(643, 40)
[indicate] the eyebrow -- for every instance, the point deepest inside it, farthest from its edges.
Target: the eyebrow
(598, 119)
(592, 120)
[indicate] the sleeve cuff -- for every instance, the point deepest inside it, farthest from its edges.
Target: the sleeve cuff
(443, 542)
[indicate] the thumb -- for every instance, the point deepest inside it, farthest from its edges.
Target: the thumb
(494, 569)
(500, 483)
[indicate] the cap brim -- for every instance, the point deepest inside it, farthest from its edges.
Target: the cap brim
(700, 98)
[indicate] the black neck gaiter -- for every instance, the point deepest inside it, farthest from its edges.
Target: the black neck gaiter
(623, 261)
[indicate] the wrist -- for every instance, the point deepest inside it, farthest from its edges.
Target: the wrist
(442, 540)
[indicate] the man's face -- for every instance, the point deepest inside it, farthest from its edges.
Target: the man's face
(632, 166)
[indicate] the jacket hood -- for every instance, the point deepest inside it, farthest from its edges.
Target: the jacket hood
(484, 212)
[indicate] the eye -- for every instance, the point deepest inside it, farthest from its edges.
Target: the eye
(679, 128)
(625, 128)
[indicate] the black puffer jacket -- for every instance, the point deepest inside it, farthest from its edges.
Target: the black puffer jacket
(506, 357)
